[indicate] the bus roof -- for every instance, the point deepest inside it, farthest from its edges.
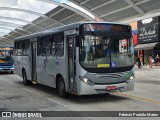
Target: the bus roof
(59, 29)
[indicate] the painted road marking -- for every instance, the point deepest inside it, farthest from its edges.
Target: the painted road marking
(57, 103)
(8, 82)
(139, 98)
(11, 83)
(27, 90)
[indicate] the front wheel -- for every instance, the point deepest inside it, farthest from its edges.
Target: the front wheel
(61, 87)
(25, 80)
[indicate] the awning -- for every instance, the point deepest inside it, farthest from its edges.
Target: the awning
(148, 46)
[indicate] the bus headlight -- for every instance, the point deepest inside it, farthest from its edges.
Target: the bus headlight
(86, 81)
(131, 78)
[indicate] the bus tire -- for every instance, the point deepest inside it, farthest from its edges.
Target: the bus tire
(61, 87)
(25, 80)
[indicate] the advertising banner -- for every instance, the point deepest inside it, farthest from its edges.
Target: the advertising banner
(148, 30)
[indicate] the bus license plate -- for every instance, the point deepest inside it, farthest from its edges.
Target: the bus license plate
(111, 88)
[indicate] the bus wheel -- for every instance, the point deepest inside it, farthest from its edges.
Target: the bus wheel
(25, 80)
(61, 87)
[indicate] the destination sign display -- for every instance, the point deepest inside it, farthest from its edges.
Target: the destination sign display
(6, 48)
(106, 27)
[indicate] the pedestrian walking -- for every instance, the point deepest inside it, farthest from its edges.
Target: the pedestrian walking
(150, 63)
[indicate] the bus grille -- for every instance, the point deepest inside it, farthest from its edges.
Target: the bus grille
(112, 75)
(6, 69)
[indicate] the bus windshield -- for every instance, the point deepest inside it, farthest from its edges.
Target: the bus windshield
(100, 51)
(6, 56)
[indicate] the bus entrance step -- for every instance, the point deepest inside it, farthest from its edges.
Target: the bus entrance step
(34, 82)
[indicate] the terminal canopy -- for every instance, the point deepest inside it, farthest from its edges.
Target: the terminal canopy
(21, 17)
(149, 46)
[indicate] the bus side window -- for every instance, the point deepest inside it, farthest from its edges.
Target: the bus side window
(59, 43)
(43, 46)
(38, 46)
(26, 47)
(16, 48)
(52, 46)
(20, 48)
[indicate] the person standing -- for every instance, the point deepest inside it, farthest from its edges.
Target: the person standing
(157, 60)
(141, 59)
(139, 63)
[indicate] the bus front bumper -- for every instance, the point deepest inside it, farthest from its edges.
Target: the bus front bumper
(12, 70)
(85, 89)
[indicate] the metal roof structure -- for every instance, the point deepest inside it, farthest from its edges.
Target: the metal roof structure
(121, 10)
(124, 11)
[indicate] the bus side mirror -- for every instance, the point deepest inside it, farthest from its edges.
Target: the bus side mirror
(78, 39)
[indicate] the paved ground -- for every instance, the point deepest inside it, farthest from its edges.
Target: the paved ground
(14, 96)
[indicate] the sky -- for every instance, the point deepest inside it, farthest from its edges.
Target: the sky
(31, 5)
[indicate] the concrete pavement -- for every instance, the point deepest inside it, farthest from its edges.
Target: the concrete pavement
(144, 69)
(145, 97)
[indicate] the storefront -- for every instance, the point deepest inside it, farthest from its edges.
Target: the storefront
(148, 38)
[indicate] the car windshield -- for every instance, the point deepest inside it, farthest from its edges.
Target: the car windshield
(106, 51)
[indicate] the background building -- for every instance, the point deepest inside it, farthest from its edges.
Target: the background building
(148, 38)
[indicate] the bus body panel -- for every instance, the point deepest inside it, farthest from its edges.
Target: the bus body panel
(48, 68)
(18, 64)
(26, 66)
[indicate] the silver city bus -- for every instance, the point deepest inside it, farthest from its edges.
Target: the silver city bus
(80, 58)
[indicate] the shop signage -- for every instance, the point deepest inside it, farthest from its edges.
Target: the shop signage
(148, 30)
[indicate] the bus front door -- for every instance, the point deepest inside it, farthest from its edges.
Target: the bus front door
(72, 63)
(33, 62)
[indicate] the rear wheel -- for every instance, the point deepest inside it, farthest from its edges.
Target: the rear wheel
(61, 87)
(25, 80)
